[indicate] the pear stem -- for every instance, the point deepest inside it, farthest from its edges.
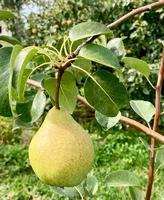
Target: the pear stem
(58, 81)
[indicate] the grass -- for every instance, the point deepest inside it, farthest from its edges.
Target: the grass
(115, 150)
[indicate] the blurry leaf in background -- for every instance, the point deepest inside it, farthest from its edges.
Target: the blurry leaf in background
(87, 29)
(160, 158)
(136, 193)
(6, 14)
(122, 178)
(116, 45)
(91, 184)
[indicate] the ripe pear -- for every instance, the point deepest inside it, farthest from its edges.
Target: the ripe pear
(61, 153)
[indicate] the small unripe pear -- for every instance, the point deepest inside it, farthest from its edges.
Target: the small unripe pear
(61, 152)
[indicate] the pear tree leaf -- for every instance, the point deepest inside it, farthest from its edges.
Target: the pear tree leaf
(160, 158)
(144, 109)
(38, 105)
(122, 178)
(82, 63)
(6, 14)
(8, 39)
(116, 45)
(69, 192)
(107, 122)
(5, 54)
(91, 184)
(136, 193)
(137, 64)
(101, 91)
(88, 29)
(19, 66)
(68, 90)
(100, 54)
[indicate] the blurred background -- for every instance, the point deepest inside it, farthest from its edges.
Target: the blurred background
(40, 22)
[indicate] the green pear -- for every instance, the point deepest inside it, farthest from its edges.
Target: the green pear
(61, 152)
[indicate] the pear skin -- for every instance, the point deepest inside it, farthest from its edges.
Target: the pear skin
(61, 153)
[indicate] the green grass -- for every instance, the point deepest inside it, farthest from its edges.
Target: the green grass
(116, 151)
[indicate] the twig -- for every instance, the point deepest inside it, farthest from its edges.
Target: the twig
(155, 127)
(131, 122)
(136, 12)
(57, 91)
(120, 21)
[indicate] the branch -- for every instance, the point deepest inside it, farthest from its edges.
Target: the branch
(136, 12)
(155, 127)
(120, 21)
(131, 122)
(58, 81)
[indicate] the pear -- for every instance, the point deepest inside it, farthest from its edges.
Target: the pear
(61, 153)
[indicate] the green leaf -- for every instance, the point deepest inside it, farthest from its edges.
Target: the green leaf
(68, 91)
(19, 73)
(6, 14)
(100, 54)
(136, 193)
(38, 105)
(107, 122)
(69, 192)
(122, 179)
(144, 109)
(9, 39)
(92, 184)
(5, 54)
(82, 63)
(116, 45)
(139, 65)
(105, 93)
(87, 29)
(160, 158)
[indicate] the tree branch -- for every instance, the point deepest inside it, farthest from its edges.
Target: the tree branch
(155, 128)
(113, 25)
(58, 81)
(131, 122)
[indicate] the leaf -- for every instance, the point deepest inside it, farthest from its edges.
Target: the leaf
(100, 54)
(92, 184)
(5, 54)
(122, 179)
(144, 109)
(82, 63)
(136, 193)
(139, 65)
(160, 158)
(116, 45)
(105, 93)
(107, 122)
(68, 91)
(6, 14)
(19, 74)
(38, 106)
(69, 192)
(87, 29)
(8, 39)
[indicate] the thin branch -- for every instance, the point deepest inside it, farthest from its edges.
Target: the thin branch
(34, 83)
(131, 122)
(120, 21)
(137, 11)
(155, 128)
(57, 91)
